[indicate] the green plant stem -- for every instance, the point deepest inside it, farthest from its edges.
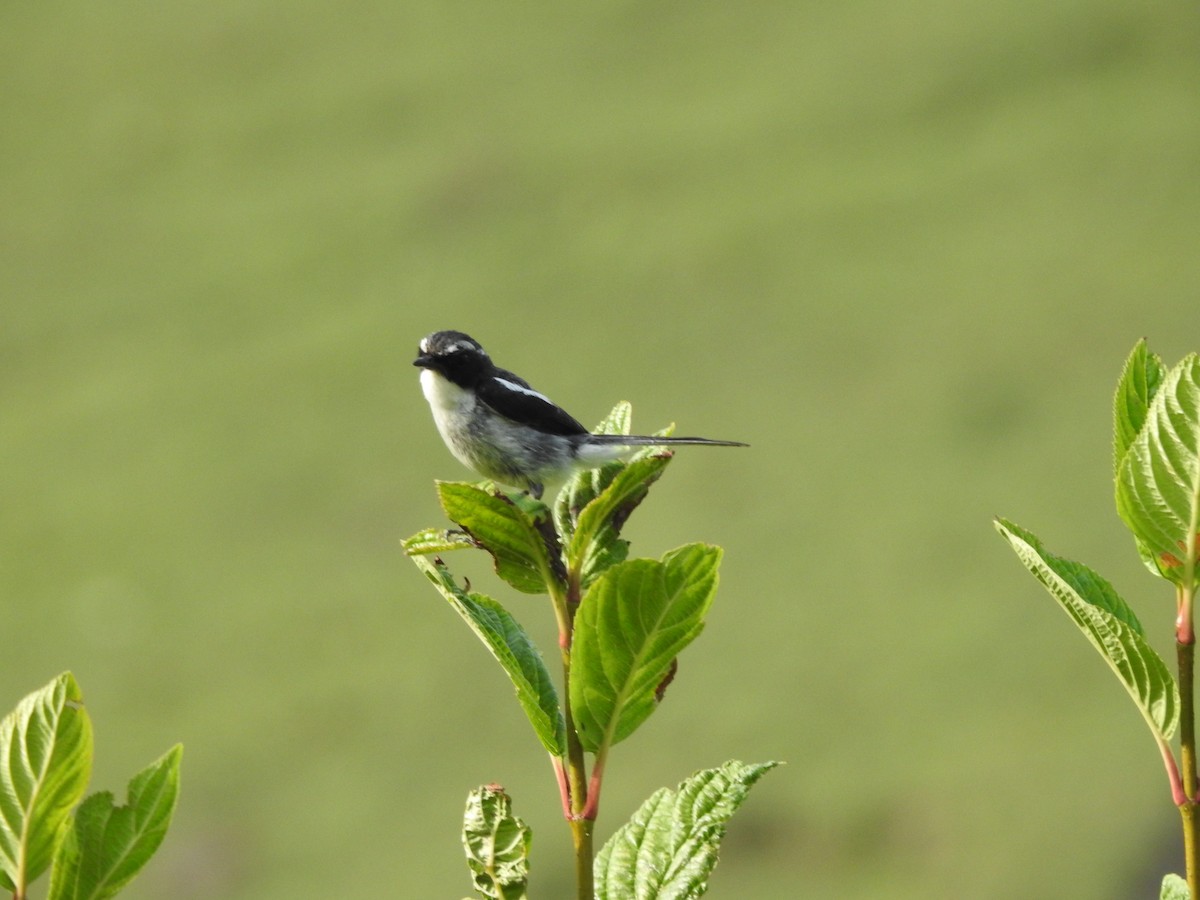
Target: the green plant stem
(576, 768)
(1188, 813)
(577, 789)
(1186, 655)
(576, 765)
(581, 835)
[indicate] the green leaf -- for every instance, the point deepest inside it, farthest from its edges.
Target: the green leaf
(582, 487)
(513, 649)
(436, 540)
(1140, 381)
(596, 544)
(45, 763)
(591, 509)
(667, 851)
(1174, 888)
(619, 421)
(107, 845)
(504, 530)
(1086, 583)
(497, 844)
(630, 626)
(1158, 480)
(1108, 623)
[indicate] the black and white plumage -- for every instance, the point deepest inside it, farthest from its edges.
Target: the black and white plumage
(496, 424)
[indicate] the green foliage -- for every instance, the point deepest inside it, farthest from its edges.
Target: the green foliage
(596, 544)
(1108, 623)
(622, 623)
(1156, 466)
(1174, 888)
(95, 849)
(436, 540)
(46, 758)
(497, 844)
(503, 529)
(108, 845)
(1158, 477)
(583, 487)
(1140, 380)
(632, 624)
(220, 221)
(513, 649)
(668, 849)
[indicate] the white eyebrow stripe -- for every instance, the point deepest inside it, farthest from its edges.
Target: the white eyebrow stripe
(513, 386)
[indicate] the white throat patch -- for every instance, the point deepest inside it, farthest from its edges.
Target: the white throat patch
(442, 393)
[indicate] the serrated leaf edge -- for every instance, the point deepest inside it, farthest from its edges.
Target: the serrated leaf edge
(1110, 636)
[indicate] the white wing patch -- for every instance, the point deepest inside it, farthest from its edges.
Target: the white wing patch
(520, 388)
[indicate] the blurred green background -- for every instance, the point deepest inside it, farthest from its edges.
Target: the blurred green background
(901, 248)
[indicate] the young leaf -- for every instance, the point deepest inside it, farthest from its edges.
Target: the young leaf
(436, 540)
(1158, 481)
(1108, 623)
(630, 626)
(502, 529)
(1174, 888)
(513, 649)
(107, 845)
(497, 844)
(582, 487)
(619, 421)
(667, 851)
(1089, 585)
(596, 544)
(45, 763)
(1140, 380)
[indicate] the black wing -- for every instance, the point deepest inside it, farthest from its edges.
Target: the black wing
(513, 398)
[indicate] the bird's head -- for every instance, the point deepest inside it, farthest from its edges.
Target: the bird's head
(456, 356)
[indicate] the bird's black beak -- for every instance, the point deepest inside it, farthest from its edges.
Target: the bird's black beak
(424, 361)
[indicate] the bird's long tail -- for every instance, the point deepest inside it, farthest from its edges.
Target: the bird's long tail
(650, 440)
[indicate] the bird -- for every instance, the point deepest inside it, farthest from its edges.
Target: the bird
(497, 425)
